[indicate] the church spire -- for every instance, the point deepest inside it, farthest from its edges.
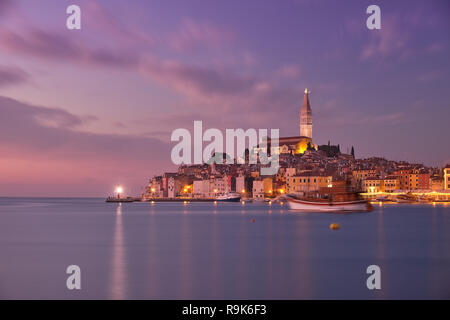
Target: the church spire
(305, 104)
(306, 117)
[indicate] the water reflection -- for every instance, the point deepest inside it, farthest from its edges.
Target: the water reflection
(185, 264)
(118, 263)
(381, 255)
(216, 272)
(243, 263)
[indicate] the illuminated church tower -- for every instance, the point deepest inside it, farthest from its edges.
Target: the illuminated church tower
(306, 117)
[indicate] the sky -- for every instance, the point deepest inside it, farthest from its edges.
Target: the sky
(84, 110)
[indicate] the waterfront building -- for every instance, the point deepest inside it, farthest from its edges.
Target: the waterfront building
(268, 186)
(372, 185)
(390, 184)
(171, 187)
(447, 177)
(258, 189)
(165, 183)
(437, 183)
(201, 188)
(240, 184)
(413, 179)
(307, 182)
(363, 174)
(217, 186)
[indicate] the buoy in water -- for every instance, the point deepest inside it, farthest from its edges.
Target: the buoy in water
(334, 226)
(252, 220)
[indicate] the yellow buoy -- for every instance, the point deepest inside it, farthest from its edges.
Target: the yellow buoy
(334, 226)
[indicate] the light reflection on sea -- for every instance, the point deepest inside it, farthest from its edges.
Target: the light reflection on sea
(207, 251)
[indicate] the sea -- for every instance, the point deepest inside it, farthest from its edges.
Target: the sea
(258, 251)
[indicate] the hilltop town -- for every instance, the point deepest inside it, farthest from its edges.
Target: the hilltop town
(304, 167)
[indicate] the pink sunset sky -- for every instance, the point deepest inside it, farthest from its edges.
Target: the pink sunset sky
(84, 110)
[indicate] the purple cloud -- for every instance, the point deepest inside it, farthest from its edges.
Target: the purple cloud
(52, 45)
(194, 35)
(12, 75)
(45, 142)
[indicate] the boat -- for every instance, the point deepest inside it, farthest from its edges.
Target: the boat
(328, 205)
(382, 199)
(339, 198)
(119, 199)
(229, 197)
(405, 198)
(425, 199)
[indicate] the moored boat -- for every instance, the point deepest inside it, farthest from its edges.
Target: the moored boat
(229, 197)
(339, 198)
(405, 198)
(425, 199)
(328, 205)
(383, 199)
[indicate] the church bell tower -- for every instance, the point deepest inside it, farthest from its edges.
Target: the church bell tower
(306, 117)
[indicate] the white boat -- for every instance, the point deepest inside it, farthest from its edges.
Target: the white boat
(329, 206)
(229, 197)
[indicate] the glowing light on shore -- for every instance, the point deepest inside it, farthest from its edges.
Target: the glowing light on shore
(119, 189)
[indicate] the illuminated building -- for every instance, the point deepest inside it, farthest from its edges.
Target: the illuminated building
(447, 177)
(306, 183)
(390, 184)
(298, 144)
(268, 186)
(413, 179)
(306, 117)
(372, 185)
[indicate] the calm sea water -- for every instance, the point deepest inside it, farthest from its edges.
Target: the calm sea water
(203, 251)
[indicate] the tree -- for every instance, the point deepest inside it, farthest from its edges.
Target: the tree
(353, 152)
